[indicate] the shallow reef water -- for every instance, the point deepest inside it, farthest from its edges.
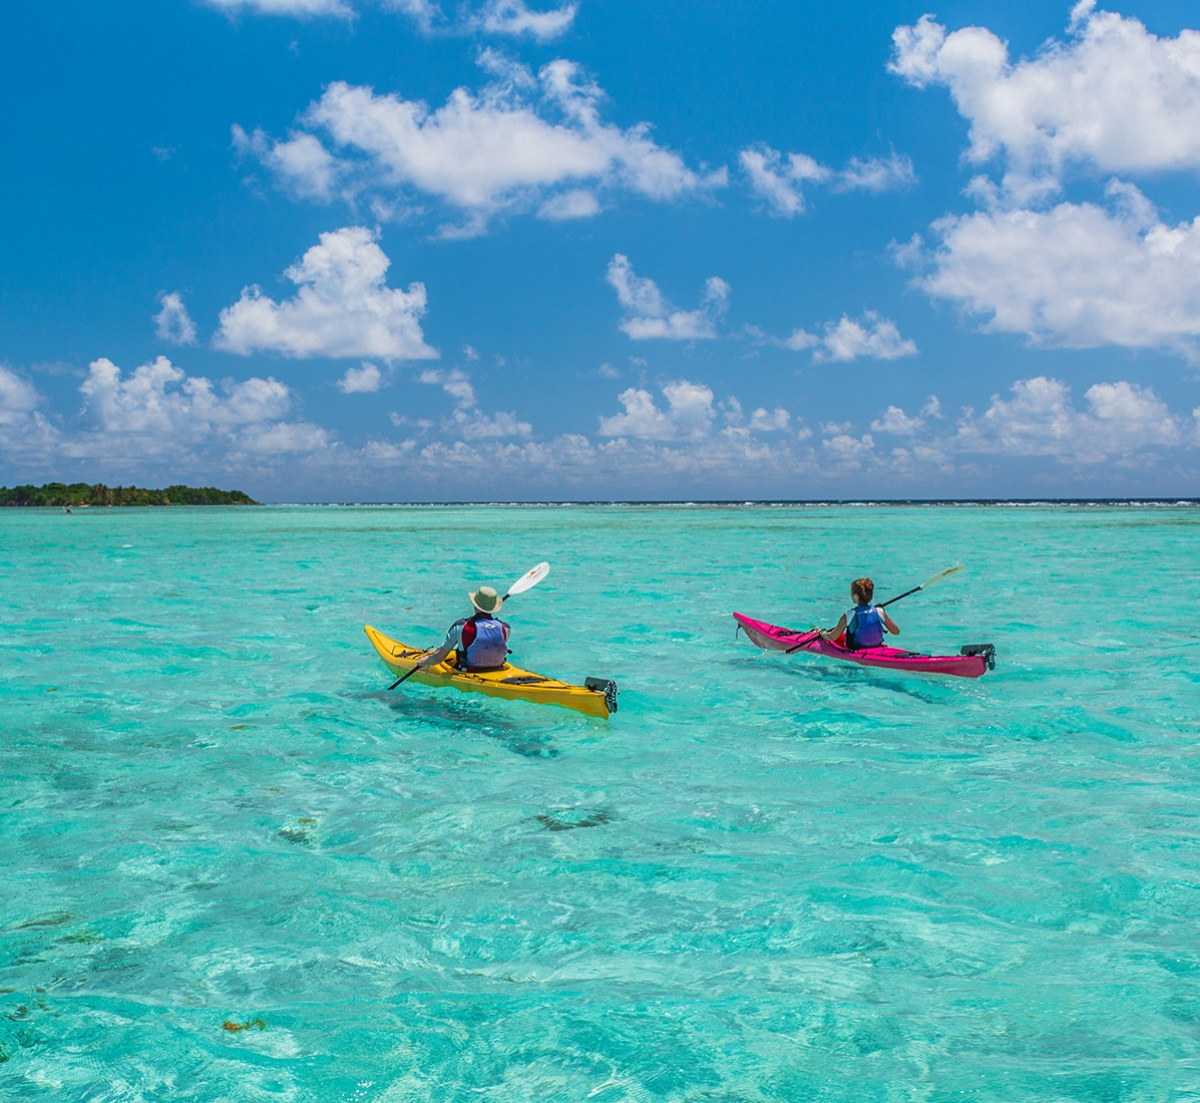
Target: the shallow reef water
(234, 867)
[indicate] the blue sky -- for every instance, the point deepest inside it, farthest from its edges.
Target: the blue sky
(386, 250)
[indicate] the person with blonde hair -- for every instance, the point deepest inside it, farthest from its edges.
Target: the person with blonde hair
(865, 624)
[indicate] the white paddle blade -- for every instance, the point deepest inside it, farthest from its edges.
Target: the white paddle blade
(942, 575)
(530, 578)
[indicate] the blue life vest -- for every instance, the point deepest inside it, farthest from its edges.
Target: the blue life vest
(486, 646)
(864, 627)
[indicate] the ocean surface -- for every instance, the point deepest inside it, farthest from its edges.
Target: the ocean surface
(766, 878)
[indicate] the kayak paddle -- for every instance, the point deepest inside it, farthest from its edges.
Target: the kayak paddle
(926, 584)
(526, 582)
(891, 601)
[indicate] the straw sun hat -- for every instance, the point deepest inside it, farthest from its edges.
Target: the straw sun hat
(486, 600)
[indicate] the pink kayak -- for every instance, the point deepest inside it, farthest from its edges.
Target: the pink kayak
(974, 660)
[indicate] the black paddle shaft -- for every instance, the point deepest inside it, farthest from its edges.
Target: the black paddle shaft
(892, 601)
(403, 677)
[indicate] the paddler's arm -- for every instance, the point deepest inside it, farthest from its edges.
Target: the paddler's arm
(451, 642)
(888, 623)
(836, 630)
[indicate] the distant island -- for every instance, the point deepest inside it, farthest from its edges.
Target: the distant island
(97, 494)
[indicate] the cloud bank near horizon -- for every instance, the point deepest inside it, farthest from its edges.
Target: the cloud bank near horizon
(158, 421)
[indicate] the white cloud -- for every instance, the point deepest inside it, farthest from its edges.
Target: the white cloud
(1040, 420)
(773, 421)
(456, 383)
(512, 18)
(157, 423)
(779, 178)
(1111, 97)
(515, 18)
(848, 451)
(159, 400)
(872, 338)
(653, 316)
(300, 8)
(364, 380)
(1075, 276)
(173, 323)
(932, 407)
(26, 436)
(689, 413)
(521, 143)
(474, 425)
(18, 397)
(576, 203)
(895, 420)
(344, 308)
(467, 421)
(302, 164)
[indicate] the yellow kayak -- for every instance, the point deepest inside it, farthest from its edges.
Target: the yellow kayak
(597, 697)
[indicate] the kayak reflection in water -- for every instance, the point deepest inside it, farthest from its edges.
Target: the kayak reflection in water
(865, 624)
(479, 642)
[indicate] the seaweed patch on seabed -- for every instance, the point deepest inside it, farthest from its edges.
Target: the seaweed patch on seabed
(569, 820)
(237, 1028)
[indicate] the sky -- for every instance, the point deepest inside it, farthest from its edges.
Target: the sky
(403, 250)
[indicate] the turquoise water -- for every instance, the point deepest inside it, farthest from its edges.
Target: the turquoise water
(766, 878)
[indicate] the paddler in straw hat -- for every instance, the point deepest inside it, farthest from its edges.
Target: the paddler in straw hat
(479, 642)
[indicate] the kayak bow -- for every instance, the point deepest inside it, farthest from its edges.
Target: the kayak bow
(596, 697)
(973, 660)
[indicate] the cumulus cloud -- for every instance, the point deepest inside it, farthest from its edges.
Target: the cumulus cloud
(159, 401)
(474, 425)
(343, 308)
(156, 423)
(467, 420)
(873, 338)
(523, 142)
(1113, 96)
(770, 421)
(18, 397)
(302, 165)
(366, 379)
(173, 323)
(779, 179)
(1077, 276)
(896, 421)
(688, 416)
(651, 315)
(1040, 420)
(26, 436)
